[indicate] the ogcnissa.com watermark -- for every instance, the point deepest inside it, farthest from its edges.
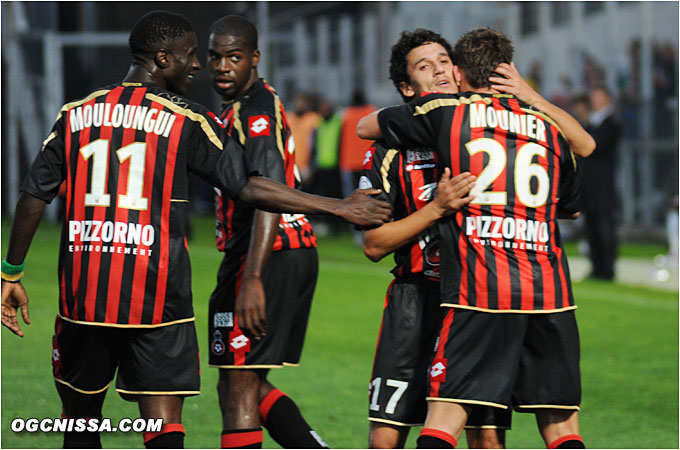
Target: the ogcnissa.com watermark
(47, 425)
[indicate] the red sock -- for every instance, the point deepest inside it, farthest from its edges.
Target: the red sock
(267, 403)
(170, 436)
(433, 438)
(246, 438)
(568, 441)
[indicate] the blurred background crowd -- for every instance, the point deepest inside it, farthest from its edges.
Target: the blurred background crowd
(613, 65)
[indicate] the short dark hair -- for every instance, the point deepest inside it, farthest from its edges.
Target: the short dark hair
(407, 42)
(233, 25)
(155, 30)
(478, 53)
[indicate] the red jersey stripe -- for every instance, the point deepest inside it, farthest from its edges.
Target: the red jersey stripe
(163, 257)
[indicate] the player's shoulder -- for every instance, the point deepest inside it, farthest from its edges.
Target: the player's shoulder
(378, 150)
(262, 99)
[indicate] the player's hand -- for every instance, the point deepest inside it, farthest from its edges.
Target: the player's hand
(250, 308)
(360, 209)
(511, 82)
(13, 298)
(453, 193)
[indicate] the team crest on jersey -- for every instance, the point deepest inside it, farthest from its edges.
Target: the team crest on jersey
(259, 126)
(438, 370)
(238, 342)
(431, 253)
(368, 158)
(217, 347)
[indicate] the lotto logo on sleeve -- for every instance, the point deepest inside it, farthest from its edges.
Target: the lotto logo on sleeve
(368, 158)
(259, 126)
(438, 370)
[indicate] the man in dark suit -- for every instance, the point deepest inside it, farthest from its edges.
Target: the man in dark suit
(599, 194)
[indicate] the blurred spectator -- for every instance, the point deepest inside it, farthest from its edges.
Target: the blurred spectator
(600, 199)
(629, 85)
(352, 148)
(665, 77)
(325, 173)
(593, 72)
(303, 120)
(579, 107)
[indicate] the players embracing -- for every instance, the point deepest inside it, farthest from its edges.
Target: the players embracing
(509, 337)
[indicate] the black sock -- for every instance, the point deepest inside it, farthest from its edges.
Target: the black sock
(170, 436)
(432, 438)
(174, 439)
(83, 439)
(282, 418)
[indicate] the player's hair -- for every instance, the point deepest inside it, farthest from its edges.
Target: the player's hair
(407, 42)
(155, 30)
(233, 25)
(478, 53)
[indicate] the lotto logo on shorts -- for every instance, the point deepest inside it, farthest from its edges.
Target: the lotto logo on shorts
(238, 343)
(259, 126)
(438, 370)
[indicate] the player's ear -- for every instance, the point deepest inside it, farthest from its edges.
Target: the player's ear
(256, 58)
(457, 75)
(406, 89)
(162, 58)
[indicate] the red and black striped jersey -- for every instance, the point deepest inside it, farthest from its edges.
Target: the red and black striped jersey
(502, 252)
(258, 121)
(408, 181)
(125, 152)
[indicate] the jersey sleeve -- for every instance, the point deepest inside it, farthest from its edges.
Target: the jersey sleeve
(219, 159)
(569, 189)
(380, 171)
(265, 152)
(49, 167)
(408, 126)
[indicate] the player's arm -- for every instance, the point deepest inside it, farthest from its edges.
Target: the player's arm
(265, 156)
(357, 208)
(27, 215)
(452, 194)
(251, 302)
(406, 126)
(511, 82)
(227, 169)
(369, 127)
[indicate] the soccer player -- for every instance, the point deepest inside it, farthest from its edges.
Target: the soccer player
(124, 277)
(420, 62)
(509, 336)
(260, 306)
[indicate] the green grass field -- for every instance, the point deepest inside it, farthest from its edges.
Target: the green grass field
(629, 347)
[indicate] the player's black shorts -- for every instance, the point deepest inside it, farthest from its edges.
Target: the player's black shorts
(399, 382)
(488, 417)
(506, 360)
(150, 361)
(289, 281)
(410, 322)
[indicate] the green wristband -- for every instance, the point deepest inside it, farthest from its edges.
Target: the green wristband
(11, 269)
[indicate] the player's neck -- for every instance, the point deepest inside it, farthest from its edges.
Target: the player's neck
(138, 73)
